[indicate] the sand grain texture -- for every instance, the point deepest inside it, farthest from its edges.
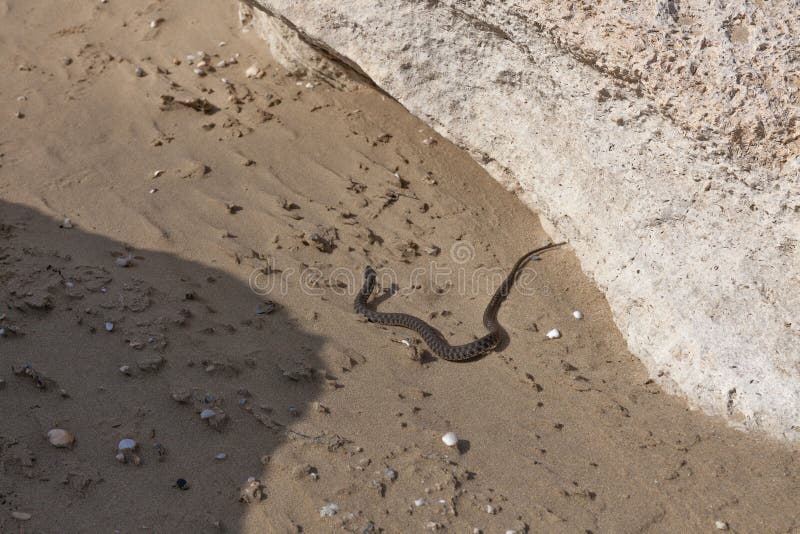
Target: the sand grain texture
(274, 180)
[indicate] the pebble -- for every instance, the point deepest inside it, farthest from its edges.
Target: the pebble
(391, 474)
(139, 71)
(21, 516)
(577, 314)
(58, 437)
(253, 72)
(109, 326)
(199, 72)
(220, 456)
(153, 190)
(553, 334)
(125, 370)
(157, 173)
(450, 439)
(127, 444)
(19, 115)
(66, 224)
(721, 525)
(419, 502)
(329, 510)
(124, 261)
(208, 413)
(491, 509)
(181, 484)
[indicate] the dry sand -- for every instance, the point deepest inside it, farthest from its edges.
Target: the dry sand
(563, 435)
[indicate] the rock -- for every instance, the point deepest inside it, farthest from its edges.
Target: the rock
(679, 199)
(151, 364)
(127, 445)
(21, 516)
(329, 510)
(450, 439)
(58, 437)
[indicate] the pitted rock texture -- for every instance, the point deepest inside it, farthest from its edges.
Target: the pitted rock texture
(661, 141)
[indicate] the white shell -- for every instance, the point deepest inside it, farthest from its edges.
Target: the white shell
(208, 413)
(721, 525)
(127, 444)
(577, 314)
(58, 437)
(450, 439)
(419, 502)
(553, 334)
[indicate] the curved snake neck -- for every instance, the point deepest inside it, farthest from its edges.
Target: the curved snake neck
(434, 339)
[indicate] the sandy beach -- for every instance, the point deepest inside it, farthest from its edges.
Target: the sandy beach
(183, 228)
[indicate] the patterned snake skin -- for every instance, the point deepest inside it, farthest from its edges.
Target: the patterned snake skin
(432, 337)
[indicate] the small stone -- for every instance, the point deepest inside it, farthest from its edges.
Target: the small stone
(127, 445)
(139, 71)
(66, 61)
(125, 370)
(329, 510)
(721, 525)
(21, 516)
(491, 509)
(109, 326)
(577, 314)
(419, 502)
(181, 484)
(450, 439)
(125, 261)
(58, 437)
(220, 456)
(19, 115)
(553, 334)
(200, 72)
(66, 223)
(157, 173)
(390, 474)
(208, 413)
(254, 72)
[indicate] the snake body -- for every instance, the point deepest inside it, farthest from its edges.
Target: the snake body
(434, 339)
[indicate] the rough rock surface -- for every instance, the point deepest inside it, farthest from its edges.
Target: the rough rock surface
(661, 140)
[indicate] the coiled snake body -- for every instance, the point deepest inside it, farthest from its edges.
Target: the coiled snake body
(437, 343)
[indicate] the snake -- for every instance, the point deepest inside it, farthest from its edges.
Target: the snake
(432, 337)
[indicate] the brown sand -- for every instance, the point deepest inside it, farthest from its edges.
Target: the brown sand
(566, 435)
